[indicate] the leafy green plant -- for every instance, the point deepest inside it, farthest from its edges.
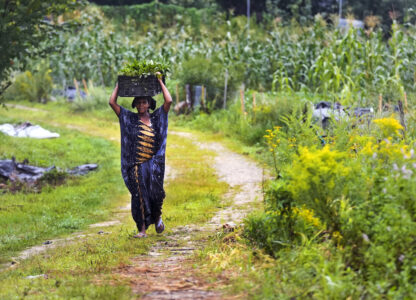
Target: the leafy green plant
(144, 68)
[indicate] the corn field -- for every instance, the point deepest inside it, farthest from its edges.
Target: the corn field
(341, 65)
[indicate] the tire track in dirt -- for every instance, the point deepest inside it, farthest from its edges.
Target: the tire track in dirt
(166, 272)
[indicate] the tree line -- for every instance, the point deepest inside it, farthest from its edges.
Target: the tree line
(385, 9)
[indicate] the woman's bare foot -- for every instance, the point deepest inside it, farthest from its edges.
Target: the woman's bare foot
(142, 233)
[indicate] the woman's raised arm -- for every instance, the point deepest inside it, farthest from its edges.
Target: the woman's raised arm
(113, 101)
(166, 94)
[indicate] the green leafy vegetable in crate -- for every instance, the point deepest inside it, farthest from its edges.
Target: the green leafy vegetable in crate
(144, 68)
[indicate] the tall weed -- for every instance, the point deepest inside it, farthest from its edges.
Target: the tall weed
(97, 99)
(34, 86)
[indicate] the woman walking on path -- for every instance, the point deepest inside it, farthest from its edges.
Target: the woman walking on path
(143, 146)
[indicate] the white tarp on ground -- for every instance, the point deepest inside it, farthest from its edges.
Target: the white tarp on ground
(27, 130)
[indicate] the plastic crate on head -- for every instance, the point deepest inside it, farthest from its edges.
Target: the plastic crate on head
(129, 86)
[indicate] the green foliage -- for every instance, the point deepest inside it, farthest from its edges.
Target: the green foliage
(200, 70)
(23, 29)
(317, 179)
(276, 228)
(91, 51)
(28, 218)
(247, 127)
(33, 86)
(144, 68)
(345, 192)
(160, 14)
(311, 270)
(96, 100)
(353, 67)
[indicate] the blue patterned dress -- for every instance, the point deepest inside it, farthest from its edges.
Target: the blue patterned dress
(143, 150)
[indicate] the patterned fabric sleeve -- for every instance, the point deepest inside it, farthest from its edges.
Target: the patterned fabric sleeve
(126, 145)
(160, 121)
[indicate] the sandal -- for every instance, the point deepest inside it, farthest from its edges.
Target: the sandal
(140, 235)
(160, 226)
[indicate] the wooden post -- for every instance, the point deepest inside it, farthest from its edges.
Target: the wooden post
(85, 86)
(76, 86)
(254, 105)
(380, 103)
(405, 101)
(177, 93)
(225, 88)
(242, 99)
(189, 98)
(203, 96)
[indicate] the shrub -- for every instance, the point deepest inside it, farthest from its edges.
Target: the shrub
(249, 127)
(34, 86)
(355, 191)
(96, 100)
(283, 224)
(317, 179)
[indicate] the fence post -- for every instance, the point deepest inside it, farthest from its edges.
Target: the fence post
(254, 104)
(85, 86)
(242, 99)
(405, 101)
(225, 88)
(76, 86)
(380, 103)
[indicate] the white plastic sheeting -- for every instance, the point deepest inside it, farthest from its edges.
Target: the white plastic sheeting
(27, 130)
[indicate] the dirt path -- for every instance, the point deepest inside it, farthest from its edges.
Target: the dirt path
(166, 271)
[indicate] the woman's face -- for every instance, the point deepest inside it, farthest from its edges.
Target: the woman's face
(142, 105)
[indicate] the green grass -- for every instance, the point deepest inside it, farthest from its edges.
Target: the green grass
(312, 270)
(28, 217)
(195, 188)
(83, 268)
(72, 269)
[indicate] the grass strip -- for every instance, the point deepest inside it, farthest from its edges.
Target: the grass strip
(29, 216)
